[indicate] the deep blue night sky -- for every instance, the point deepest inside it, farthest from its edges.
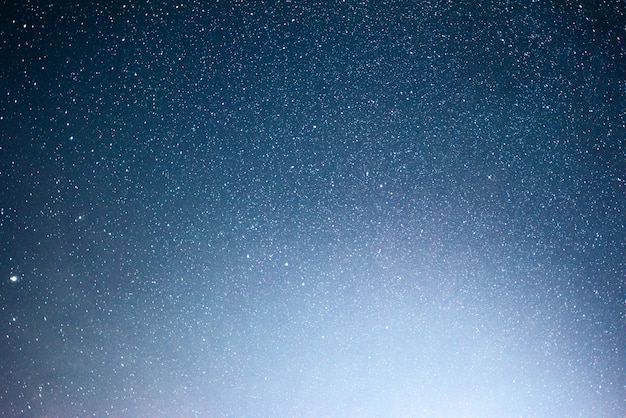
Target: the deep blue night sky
(313, 209)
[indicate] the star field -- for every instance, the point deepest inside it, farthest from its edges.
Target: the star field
(313, 209)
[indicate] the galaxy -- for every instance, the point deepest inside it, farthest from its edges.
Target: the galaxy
(313, 209)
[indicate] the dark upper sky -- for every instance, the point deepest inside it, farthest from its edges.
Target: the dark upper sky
(313, 209)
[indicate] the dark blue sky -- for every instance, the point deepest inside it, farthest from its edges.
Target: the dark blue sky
(313, 209)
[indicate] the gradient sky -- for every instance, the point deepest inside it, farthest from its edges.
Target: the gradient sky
(313, 209)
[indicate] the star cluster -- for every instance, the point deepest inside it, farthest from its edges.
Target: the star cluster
(340, 208)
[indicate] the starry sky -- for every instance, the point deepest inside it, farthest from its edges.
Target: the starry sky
(313, 209)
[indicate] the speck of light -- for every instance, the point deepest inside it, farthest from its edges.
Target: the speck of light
(14, 279)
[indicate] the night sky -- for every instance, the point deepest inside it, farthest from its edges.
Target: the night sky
(313, 209)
